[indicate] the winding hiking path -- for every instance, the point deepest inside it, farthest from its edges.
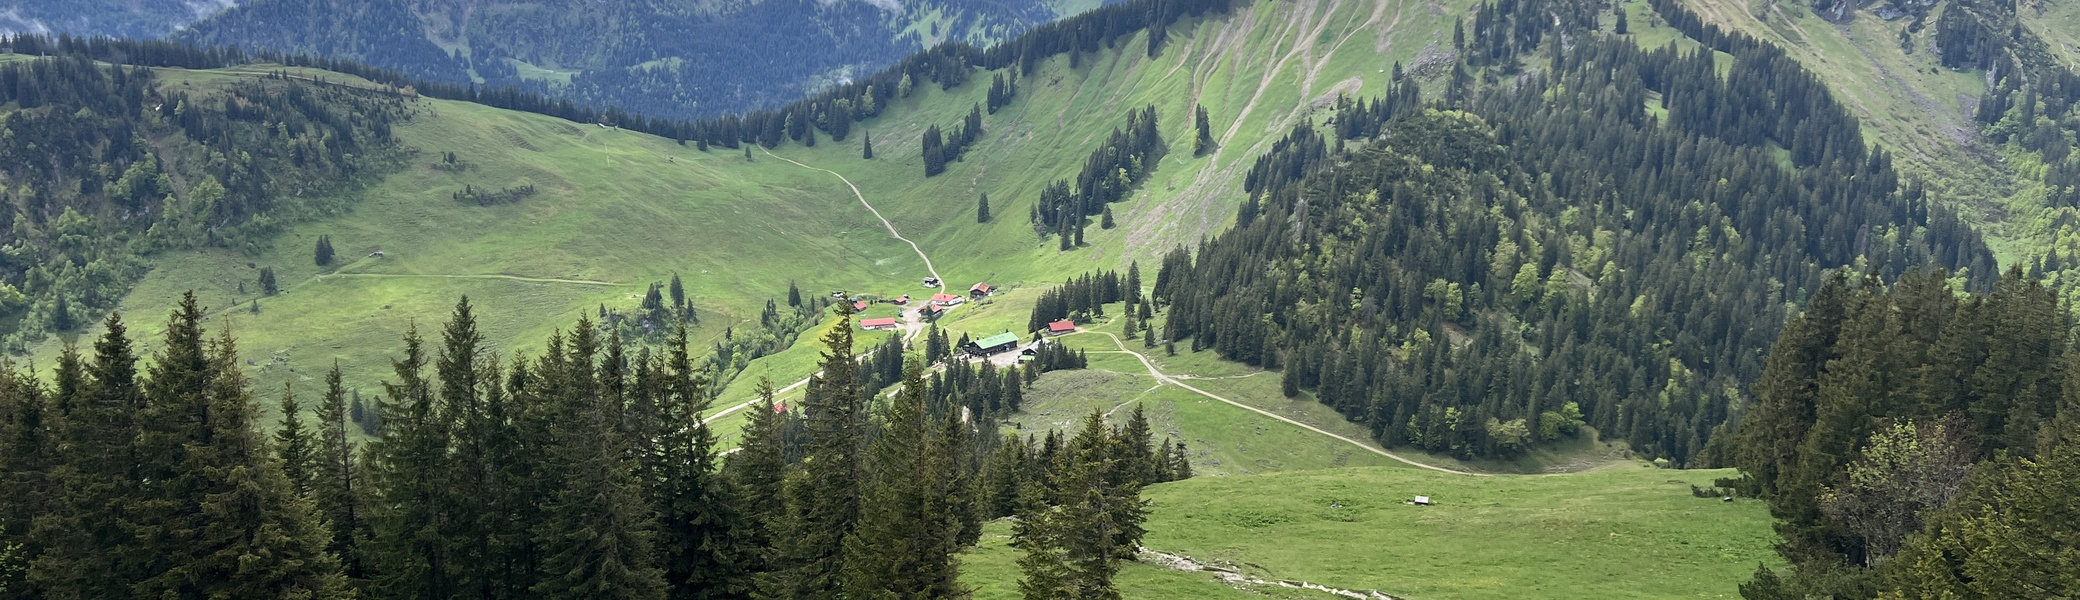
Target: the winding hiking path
(870, 208)
(742, 405)
(1152, 372)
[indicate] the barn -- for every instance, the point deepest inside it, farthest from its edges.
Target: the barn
(996, 344)
(881, 324)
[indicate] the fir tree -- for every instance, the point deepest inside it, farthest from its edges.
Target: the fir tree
(597, 534)
(794, 294)
(1203, 143)
(866, 147)
(697, 523)
(217, 518)
(758, 469)
(982, 209)
(823, 501)
(97, 474)
(406, 551)
(293, 446)
(267, 282)
(337, 487)
(907, 534)
(323, 253)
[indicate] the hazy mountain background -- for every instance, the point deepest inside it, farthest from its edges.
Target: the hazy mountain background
(118, 18)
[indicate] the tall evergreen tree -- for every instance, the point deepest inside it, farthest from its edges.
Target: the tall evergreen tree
(1203, 142)
(823, 502)
(97, 474)
(908, 530)
(323, 252)
(866, 148)
(758, 469)
(406, 459)
(697, 521)
(597, 535)
(982, 209)
(215, 517)
(294, 447)
(337, 486)
(28, 460)
(267, 282)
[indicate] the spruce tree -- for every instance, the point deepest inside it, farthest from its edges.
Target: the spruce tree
(697, 521)
(597, 534)
(323, 252)
(97, 473)
(337, 485)
(823, 502)
(1203, 143)
(756, 472)
(267, 282)
(982, 209)
(908, 528)
(28, 458)
(1104, 222)
(406, 461)
(794, 294)
(867, 146)
(293, 445)
(216, 518)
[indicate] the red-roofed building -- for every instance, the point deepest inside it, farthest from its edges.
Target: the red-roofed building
(859, 306)
(1061, 327)
(931, 312)
(903, 300)
(981, 289)
(881, 323)
(945, 299)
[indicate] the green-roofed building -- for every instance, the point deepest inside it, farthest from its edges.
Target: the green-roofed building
(999, 343)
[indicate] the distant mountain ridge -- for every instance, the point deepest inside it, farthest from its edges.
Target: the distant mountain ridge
(667, 58)
(113, 18)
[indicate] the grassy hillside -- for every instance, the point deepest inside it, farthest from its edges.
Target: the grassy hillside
(1908, 102)
(1621, 532)
(616, 210)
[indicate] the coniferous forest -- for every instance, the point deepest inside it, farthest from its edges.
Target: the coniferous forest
(584, 472)
(1487, 275)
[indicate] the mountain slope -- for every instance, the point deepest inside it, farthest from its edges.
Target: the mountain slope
(670, 59)
(1921, 83)
(113, 18)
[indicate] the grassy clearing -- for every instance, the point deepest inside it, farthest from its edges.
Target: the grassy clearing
(991, 570)
(1620, 532)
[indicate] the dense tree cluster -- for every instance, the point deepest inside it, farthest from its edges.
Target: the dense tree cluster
(584, 472)
(940, 150)
(1876, 405)
(1078, 502)
(1084, 297)
(1001, 91)
(1479, 280)
(127, 484)
(1111, 171)
(101, 165)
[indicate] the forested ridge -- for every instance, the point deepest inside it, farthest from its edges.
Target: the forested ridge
(675, 61)
(101, 165)
(1541, 251)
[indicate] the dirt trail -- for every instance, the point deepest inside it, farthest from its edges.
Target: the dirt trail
(1159, 376)
(741, 405)
(870, 208)
(1181, 562)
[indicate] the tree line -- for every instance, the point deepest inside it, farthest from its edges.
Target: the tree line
(1913, 442)
(586, 471)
